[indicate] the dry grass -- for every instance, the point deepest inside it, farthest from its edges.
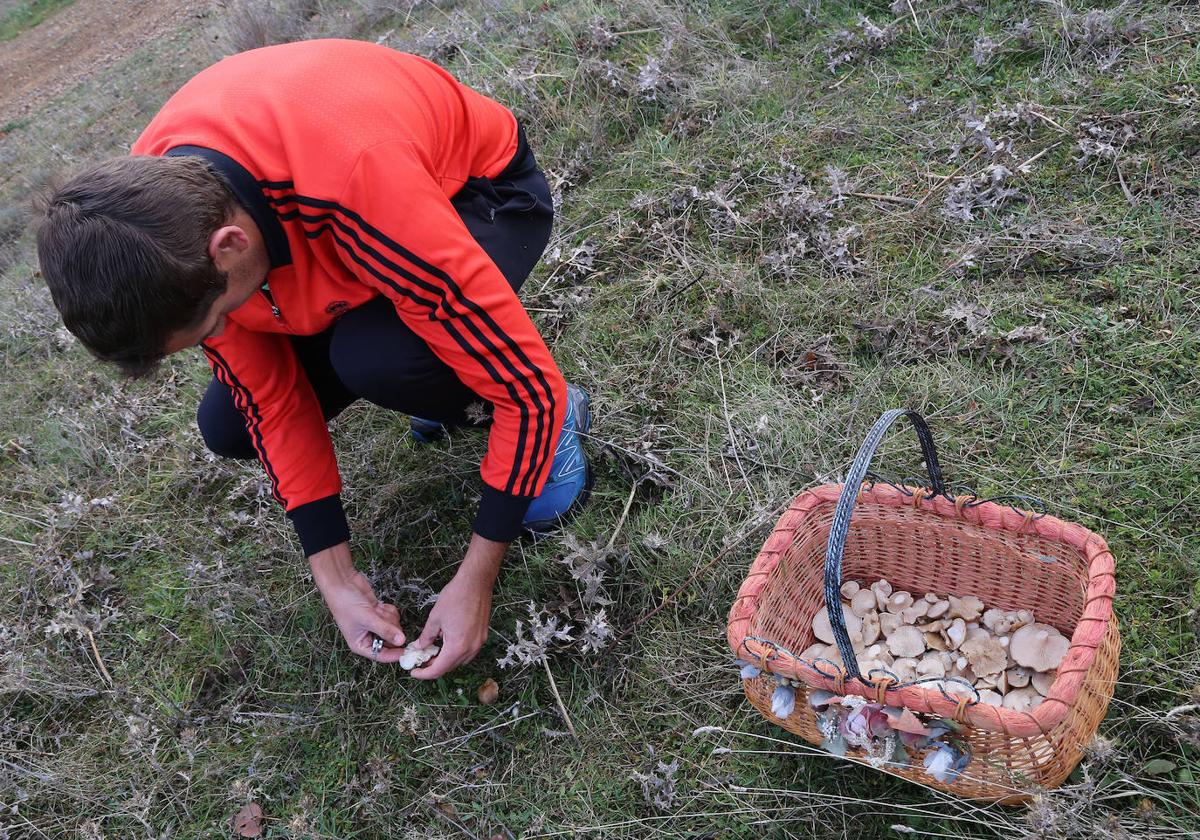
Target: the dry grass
(755, 254)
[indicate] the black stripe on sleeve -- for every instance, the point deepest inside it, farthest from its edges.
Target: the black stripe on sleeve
(543, 439)
(325, 223)
(251, 411)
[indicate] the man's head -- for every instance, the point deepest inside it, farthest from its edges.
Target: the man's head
(139, 254)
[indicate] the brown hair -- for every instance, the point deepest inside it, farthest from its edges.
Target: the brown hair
(123, 247)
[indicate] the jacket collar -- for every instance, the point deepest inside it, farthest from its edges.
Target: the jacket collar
(248, 193)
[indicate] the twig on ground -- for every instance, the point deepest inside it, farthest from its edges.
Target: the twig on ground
(99, 662)
(895, 199)
(624, 514)
(562, 707)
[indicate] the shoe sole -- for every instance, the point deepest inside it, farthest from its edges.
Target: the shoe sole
(540, 530)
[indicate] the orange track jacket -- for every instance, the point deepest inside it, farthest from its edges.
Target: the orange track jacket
(346, 154)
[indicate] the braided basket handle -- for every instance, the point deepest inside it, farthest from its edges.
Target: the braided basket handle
(845, 507)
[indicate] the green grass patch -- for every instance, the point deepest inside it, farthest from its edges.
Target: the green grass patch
(17, 17)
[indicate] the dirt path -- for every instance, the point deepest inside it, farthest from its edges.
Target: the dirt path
(78, 40)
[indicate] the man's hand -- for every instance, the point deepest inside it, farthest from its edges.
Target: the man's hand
(358, 613)
(461, 613)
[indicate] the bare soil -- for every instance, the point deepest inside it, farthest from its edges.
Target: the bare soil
(84, 38)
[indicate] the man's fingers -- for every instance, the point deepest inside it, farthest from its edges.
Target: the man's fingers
(388, 629)
(440, 664)
(429, 633)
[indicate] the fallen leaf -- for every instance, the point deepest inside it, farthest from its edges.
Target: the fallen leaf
(1158, 766)
(489, 692)
(248, 822)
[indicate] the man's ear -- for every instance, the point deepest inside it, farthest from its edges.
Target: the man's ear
(227, 245)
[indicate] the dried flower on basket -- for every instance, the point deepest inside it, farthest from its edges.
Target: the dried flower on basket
(1006, 655)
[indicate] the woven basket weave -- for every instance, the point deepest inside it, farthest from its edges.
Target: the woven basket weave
(925, 540)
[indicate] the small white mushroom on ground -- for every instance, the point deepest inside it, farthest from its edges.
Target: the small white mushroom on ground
(1022, 699)
(906, 641)
(1041, 682)
(850, 588)
(985, 654)
(824, 631)
(938, 608)
(1038, 646)
(870, 628)
(968, 608)
(415, 657)
(997, 621)
(881, 589)
(955, 634)
(990, 697)
(898, 602)
(862, 602)
(1018, 677)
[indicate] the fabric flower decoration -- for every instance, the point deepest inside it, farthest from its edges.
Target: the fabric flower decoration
(783, 700)
(748, 669)
(945, 763)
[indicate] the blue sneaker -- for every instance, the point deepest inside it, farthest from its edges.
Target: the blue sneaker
(427, 431)
(570, 479)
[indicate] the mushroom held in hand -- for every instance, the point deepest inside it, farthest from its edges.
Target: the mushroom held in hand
(1038, 646)
(414, 657)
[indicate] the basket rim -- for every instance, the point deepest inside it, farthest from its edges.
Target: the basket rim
(1085, 638)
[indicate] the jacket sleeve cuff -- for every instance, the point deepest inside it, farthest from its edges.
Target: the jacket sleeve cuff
(320, 524)
(500, 515)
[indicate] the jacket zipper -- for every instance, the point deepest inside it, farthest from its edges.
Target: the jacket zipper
(266, 292)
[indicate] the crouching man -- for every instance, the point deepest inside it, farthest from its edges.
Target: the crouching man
(331, 221)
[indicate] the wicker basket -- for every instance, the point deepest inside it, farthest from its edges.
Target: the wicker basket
(926, 540)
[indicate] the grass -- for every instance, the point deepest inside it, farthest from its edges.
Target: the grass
(687, 287)
(16, 17)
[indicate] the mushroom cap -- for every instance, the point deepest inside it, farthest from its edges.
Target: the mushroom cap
(930, 666)
(862, 602)
(1022, 699)
(990, 697)
(933, 626)
(906, 641)
(850, 588)
(1041, 682)
(1023, 617)
(929, 598)
(967, 608)
(938, 608)
(898, 602)
(997, 621)
(881, 589)
(1038, 646)
(888, 623)
(974, 631)
(824, 631)
(813, 651)
(985, 654)
(935, 642)
(414, 656)
(996, 682)
(955, 634)
(1018, 677)
(913, 614)
(905, 668)
(870, 631)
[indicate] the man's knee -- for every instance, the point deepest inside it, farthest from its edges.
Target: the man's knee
(224, 430)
